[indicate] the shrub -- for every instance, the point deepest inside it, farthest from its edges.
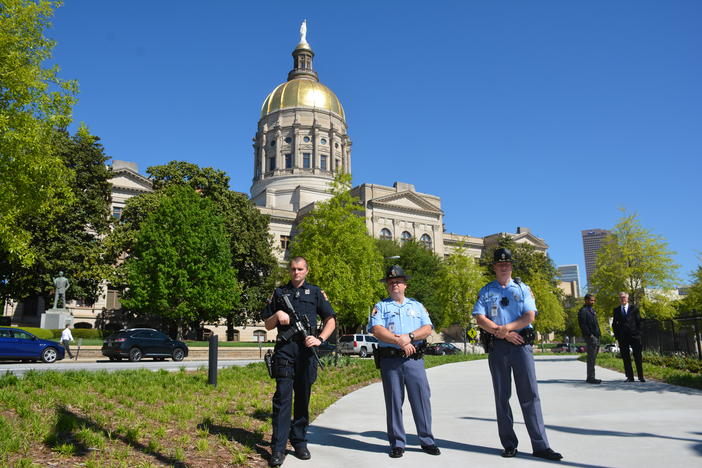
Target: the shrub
(79, 333)
(42, 333)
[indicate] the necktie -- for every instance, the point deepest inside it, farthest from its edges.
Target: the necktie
(624, 310)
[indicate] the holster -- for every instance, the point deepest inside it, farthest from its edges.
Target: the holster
(376, 357)
(486, 339)
(268, 359)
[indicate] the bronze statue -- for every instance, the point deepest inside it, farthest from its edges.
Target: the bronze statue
(62, 284)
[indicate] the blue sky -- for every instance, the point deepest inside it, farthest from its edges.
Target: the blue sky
(551, 115)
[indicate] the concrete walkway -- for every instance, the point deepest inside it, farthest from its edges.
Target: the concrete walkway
(615, 424)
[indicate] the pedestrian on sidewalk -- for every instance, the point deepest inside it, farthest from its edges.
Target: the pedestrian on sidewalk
(590, 328)
(294, 365)
(627, 329)
(505, 310)
(402, 324)
(66, 338)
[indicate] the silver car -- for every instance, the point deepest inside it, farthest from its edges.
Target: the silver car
(363, 345)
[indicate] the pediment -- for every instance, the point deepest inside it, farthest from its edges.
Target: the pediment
(126, 179)
(405, 201)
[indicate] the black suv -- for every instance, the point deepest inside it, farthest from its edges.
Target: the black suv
(136, 343)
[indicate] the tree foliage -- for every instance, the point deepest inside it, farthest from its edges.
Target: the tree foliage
(693, 300)
(459, 281)
(180, 266)
(34, 104)
(246, 226)
(343, 258)
(68, 241)
(635, 261)
(423, 265)
(537, 271)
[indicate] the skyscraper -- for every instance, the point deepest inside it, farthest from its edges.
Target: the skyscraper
(570, 279)
(592, 240)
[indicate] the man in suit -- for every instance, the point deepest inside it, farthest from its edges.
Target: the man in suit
(627, 330)
(590, 328)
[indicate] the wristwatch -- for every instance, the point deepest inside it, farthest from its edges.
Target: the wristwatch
(411, 335)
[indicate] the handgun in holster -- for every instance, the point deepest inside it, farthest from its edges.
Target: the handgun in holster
(268, 359)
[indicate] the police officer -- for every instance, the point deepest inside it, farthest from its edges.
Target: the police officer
(401, 324)
(294, 365)
(505, 309)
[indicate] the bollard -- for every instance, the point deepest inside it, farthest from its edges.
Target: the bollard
(212, 370)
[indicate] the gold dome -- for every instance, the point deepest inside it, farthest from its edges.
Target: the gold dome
(302, 93)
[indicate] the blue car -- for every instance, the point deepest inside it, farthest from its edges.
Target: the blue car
(20, 345)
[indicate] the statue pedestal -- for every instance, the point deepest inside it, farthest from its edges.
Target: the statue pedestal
(56, 318)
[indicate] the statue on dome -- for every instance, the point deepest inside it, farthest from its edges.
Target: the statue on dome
(303, 32)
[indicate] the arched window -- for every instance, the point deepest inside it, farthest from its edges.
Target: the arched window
(425, 240)
(385, 234)
(259, 335)
(406, 236)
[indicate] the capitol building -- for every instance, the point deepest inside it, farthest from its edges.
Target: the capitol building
(301, 143)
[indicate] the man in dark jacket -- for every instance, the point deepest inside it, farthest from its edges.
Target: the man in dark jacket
(627, 330)
(590, 328)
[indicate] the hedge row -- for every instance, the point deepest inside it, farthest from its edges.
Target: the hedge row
(78, 333)
(676, 361)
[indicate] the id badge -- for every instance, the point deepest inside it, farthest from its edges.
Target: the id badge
(493, 310)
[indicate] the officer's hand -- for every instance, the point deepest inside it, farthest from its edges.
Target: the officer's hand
(501, 331)
(515, 338)
(311, 341)
(403, 340)
(409, 349)
(283, 317)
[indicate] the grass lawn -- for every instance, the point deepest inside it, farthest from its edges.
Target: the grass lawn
(665, 374)
(191, 344)
(146, 419)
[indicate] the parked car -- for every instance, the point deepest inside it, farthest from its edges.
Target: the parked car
(363, 345)
(137, 343)
(612, 348)
(325, 348)
(20, 345)
(439, 349)
(563, 348)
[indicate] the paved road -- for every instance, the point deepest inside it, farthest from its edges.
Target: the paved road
(19, 368)
(615, 424)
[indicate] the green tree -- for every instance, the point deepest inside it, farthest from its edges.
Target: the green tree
(459, 281)
(635, 261)
(246, 226)
(537, 271)
(343, 258)
(34, 103)
(180, 267)
(693, 300)
(423, 265)
(67, 241)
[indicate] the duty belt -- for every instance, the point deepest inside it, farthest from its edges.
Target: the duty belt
(389, 352)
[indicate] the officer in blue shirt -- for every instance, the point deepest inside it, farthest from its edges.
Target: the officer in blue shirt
(505, 309)
(294, 366)
(402, 324)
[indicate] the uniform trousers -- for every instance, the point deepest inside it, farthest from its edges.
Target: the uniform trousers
(636, 347)
(295, 370)
(397, 374)
(593, 347)
(504, 360)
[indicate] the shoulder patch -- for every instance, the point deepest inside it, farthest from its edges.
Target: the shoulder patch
(324, 294)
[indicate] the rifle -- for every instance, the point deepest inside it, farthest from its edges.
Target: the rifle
(299, 326)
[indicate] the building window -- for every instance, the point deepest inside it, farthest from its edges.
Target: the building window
(306, 160)
(323, 141)
(338, 164)
(406, 236)
(271, 163)
(288, 161)
(117, 212)
(323, 162)
(259, 335)
(273, 143)
(306, 139)
(425, 240)
(284, 242)
(385, 234)
(288, 139)
(112, 299)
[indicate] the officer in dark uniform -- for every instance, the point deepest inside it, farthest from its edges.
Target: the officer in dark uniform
(402, 324)
(505, 309)
(294, 365)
